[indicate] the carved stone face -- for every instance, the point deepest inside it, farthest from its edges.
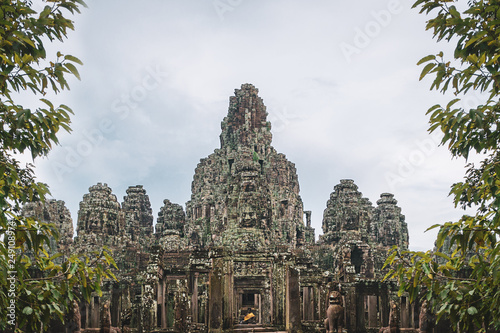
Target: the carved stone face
(248, 217)
(351, 220)
(335, 297)
(252, 201)
(253, 210)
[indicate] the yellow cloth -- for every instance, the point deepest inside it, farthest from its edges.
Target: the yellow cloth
(248, 316)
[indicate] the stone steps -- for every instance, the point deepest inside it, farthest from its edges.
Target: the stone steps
(257, 329)
(254, 328)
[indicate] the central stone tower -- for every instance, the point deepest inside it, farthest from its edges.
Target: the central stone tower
(245, 196)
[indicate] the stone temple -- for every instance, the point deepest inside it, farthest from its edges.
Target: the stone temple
(242, 247)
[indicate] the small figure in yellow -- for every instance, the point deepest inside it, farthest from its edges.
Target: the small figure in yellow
(249, 318)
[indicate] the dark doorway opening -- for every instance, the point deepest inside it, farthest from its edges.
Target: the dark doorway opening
(248, 300)
(357, 259)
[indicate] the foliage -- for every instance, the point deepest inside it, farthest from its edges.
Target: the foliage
(33, 282)
(255, 157)
(462, 276)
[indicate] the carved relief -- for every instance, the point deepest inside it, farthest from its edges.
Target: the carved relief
(251, 268)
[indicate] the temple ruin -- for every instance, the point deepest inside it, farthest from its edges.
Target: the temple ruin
(242, 255)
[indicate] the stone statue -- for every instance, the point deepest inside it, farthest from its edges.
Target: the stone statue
(335, 313)
(393, 320)
(74, 319)
(106, 320)
(126, 316)
(426, 318)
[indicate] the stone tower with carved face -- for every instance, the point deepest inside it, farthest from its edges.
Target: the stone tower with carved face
(245, 195)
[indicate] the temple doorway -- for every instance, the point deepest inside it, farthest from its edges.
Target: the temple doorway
(249, 307)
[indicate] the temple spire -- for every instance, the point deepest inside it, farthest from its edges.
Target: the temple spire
(246, 123)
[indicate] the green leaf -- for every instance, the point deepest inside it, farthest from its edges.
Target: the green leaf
(426, 70)
(472, 310)
(49, 103)
(73, 59)
(454, 12)
(27, 310)
(452, 102)
(73, 70)
(426, 59)
(45, 12)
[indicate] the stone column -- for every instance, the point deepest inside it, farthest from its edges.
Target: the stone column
(292, 301)
(372, 311)
(94, 321)
(360, 313)
(228, 296)
(216, 289)
(194, 298)
(305, 302)
(405, 313)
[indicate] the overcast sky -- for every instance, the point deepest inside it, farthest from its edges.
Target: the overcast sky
(339, 79)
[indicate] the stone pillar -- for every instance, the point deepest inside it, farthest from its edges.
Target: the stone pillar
(293, 301)
(228, 296)
(372, 311)
(94, 317)
(261, 307)
(349, 308)
(384, 309)
(86, 322)
(308, 302)
(164, 304)
(194, 298)
(148, 303)
(161, 300)
(216, 289)
(268, 317)
(308, 218)
(148, 308)
(405, 313)
(305, 303)
(360, 313)
(278, 292)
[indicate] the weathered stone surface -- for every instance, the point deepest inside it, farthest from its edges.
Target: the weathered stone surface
(346, 211)
(246, 123)
(126, 228)
(426, 318)
(170, 218)
(100, 220)
(309, 236)
(54, 211)
(138, 215)
(245, 195)
(360, 234)
(170, 227)
(394, 321)
(75, 318)
(389, 226)
(106, 326)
